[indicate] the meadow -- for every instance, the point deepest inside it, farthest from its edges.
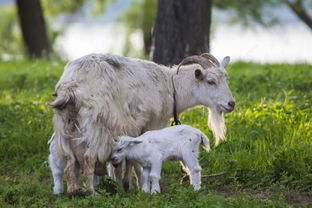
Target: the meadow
(267, 156)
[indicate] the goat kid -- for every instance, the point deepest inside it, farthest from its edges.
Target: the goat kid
(150, 150)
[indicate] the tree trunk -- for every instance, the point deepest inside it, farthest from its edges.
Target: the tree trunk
(298, 8)
(33, 28)
(182, 28)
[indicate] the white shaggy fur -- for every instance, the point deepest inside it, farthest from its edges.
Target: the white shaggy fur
(150, 150)
(100, 97)
(57, 168)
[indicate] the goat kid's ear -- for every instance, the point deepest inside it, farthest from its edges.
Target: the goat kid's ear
(225, 61)
(199, 74)
(135, 142)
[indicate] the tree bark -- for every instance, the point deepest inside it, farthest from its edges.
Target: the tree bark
(182, 28)
(33, 28)
(298, 8)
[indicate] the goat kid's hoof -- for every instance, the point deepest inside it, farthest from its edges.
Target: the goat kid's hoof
(197, 188)
(155, 192)
(57, 193)
(146, 191)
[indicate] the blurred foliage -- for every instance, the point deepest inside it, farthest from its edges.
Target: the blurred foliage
(12, 45)
(57, 7)
(250, 12)
(99, 6)
(140, 16)
(10, 38)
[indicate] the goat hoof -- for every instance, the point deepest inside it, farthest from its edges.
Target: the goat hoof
(92, 193)
(155, 192)
(76, 193)
(196, 188)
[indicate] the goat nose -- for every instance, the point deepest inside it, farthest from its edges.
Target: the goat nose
(231, 104)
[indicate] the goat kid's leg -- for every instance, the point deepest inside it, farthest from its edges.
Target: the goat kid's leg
(126, 181)
(146, 186)
(154, 177)
(118, 174)
(57, 170)
(194, 170)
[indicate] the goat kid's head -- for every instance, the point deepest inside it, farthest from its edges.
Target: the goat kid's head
(211, 89)
(122, 148)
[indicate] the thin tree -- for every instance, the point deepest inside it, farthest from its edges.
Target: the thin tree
(263, 12)
(298, 8)
(33, 28)
(182, 28)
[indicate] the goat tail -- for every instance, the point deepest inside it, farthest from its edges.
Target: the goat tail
(65, 94)
(65, 114)
(205, 142)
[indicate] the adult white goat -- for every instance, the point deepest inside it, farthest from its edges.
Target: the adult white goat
(100, 97)
(151, 149)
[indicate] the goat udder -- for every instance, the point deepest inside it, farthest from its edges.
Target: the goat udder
(100, 169)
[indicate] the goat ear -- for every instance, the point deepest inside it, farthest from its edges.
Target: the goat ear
(199, 74)
(225, 61)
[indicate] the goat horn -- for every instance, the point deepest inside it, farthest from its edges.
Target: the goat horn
(211, 58)
(195, 60)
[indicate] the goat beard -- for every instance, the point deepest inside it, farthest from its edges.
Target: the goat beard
(216, 124)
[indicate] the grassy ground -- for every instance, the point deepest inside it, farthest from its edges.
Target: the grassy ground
(267, 157)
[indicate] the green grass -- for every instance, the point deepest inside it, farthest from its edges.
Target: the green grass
(267, 155)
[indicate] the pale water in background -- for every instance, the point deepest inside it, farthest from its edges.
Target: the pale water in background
(290, 41)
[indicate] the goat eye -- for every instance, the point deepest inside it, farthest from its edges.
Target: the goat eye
(211, 82)
(119, 150)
